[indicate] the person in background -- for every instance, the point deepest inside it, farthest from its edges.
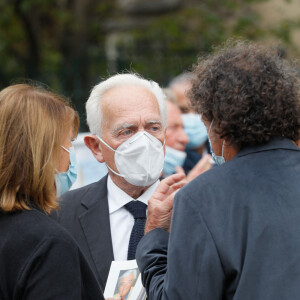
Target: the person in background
(180, 85)
(38, 258)
(235, 228)
(176, 138)
(126, 115)
(176, 141)
(198, 145)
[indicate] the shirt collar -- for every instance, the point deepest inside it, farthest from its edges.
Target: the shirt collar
(118, 198)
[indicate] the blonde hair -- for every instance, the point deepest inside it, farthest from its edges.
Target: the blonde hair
(33, 125)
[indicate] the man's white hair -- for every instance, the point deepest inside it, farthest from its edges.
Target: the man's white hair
(128, 272)
(93, 105)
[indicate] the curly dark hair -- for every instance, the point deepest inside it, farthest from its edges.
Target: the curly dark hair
(250, 92)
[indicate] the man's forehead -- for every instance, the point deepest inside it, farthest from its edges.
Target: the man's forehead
(182, 86)
(175, 122)
(174, 113)
(126, 108)
(131, 97)
(122, 91)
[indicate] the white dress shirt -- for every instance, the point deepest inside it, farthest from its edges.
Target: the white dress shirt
(121, 220)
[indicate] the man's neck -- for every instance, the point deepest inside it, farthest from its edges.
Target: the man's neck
(133, 191)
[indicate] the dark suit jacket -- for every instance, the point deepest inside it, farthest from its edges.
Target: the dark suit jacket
(84, 213)
(40, 260)
(235, 232)
(192, 157)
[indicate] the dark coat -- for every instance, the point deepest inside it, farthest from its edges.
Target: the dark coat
(40, 260)
(84, 213)
(235, 232)
(192, 158)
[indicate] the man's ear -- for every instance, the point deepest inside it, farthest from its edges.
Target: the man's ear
(92, 142)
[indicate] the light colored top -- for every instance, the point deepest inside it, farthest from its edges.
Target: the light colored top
(121, 220)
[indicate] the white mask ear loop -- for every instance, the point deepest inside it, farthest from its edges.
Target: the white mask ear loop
(223, 149)
(210, 128)
(114, 171)
(148, 161)
(112, 150)
(99, 138)
(68, 152)
(65, 149)
(223, 141)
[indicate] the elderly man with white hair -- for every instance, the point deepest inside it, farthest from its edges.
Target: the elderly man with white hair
(126, 115)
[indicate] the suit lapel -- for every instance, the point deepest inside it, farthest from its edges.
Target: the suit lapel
(96, 227)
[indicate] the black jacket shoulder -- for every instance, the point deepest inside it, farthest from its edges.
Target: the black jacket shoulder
(40, 260)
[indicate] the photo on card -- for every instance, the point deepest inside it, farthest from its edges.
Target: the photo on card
(124, 281)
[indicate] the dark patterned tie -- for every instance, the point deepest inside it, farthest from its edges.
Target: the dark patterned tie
(138, 210)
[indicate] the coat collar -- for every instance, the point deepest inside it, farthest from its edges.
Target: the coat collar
(276, 142)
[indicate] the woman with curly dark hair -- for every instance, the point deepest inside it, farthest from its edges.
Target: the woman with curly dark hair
(235, 230)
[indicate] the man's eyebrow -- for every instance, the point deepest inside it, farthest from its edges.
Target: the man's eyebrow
(154, 122)
(131, 125)
(123, 126)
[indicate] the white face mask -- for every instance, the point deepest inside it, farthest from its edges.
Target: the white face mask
(140, 159)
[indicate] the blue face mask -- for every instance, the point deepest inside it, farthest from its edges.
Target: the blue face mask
(65, 180)
(173, 159)
(195, 130)
(219, 160)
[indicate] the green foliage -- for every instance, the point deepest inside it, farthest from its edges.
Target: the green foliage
(62, 42)
(170, 43)
(284, 29)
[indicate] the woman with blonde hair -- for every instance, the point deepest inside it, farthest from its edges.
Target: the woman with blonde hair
(38, 258)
